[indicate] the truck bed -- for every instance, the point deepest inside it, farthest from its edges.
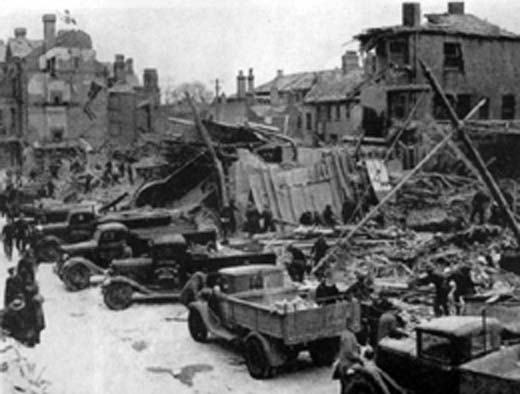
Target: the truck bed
(496, 373)
(255, 310)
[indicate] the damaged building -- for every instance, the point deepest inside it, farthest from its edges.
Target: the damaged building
(462, 51)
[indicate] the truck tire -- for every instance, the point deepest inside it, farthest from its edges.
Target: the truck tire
(324, 351)
(359, 384)
(197, 327)
(117, 296)
(76, 277)
(257, 360)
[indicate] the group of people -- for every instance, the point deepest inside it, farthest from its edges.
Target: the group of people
(22, 317)
(483, 208)
(114, 172)
(450, 289)
(298, 265)
(326, 218)
(255, 221)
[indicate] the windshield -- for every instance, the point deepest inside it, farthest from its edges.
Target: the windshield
(436, 347)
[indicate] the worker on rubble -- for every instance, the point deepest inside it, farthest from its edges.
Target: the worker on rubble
(296, 266)
(349, 355)
(479, 206)
(50, 188)
(21, 232)
(318, 251)
(267, 220)
(363, 286)
(390, 323)
(252, 220)
(460, 286)
(327, 291)
(329, 218)
(347, 209)
(440, 301)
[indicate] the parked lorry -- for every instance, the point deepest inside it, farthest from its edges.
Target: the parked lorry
(78, 262)
(163, 273)
(250, 306)
(449, 355)
(81, 224)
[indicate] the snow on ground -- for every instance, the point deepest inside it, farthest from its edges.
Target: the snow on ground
(87, 348)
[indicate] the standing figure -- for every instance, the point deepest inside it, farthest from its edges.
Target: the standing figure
(130, 173)
(267, 220)
(21, 229)
(327, 292)
(347, 210)
(7, 237)
(460, 286)
(296, 267)
(440, 301)
(252, 220)
(319, 250)
(479, 205)
(329, 218)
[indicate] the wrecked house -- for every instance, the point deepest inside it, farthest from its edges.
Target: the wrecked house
(131, 107)
(461, 49)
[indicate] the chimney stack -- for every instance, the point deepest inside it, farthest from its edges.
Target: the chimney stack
(49, 30)
(150, 79)
(456, 8)
(349, 61)
(251, 82)
(119, 69)
(241, 85)
(279, 73)
(20, 32)
(129, 66)
(411, 14)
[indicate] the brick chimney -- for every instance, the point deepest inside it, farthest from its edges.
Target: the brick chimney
(279, 73)
(49, 30)
(241, 85)
(20, 32)
(250, 82)
(411, 14)
(456, 7)
(150, 79)
(119, 69)
(129, 66)
(349, 61)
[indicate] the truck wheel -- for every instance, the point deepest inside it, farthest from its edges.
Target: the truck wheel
(50, 252)
(117, 296)
(256, 359)
(76, 277)
(324, 351)
(358, 384)
(197, 327)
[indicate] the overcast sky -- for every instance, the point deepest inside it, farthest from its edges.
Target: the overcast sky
(203, 40)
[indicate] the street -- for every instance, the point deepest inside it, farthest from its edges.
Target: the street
(87, 348)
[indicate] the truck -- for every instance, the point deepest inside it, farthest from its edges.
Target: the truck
(162, 274)
(81, 224)
(249, 306)
(79, 261)
(448, 355)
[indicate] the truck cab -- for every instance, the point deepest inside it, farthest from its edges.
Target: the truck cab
(432, 362)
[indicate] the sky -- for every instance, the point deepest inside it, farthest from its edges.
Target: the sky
(206, 39)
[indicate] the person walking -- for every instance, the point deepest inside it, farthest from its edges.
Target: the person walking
(7, 239)
(460, 286)
(439, 281)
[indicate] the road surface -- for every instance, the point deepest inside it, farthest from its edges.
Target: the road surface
(147, 348)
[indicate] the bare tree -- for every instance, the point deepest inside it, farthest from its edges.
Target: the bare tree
(196, 89)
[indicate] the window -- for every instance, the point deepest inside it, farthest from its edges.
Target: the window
(347, 111)
(508, 106)
(329, 113)
(57, 134)
(76, 62)
(56, 97)
(453, 56)
(439, 111)
(397, 105)
(398, 52)
(51, 66)
(3, 130)
(338, 112)
(483, 112)
(13, 120)
(435, 347)
(308, 120)
(299, 122)
(463, 105)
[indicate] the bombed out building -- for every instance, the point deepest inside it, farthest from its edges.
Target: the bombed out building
(471, 57)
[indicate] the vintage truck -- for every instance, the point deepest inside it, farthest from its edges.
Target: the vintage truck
(162, 275)
(78, 262)
(449, 355)
(81, 224)
(249, 307)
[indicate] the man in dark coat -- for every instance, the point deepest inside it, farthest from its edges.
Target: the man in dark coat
(252, 220)
(319, 249)
(479, 206)
(329, 218)
(461, 285)
(440, 301)
(296, 267)
(267, 220)
(7, 237)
